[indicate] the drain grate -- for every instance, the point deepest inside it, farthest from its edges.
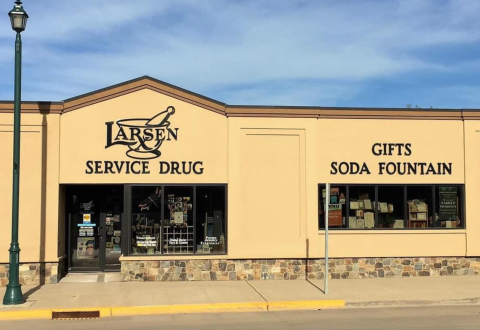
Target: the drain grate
(75, 315)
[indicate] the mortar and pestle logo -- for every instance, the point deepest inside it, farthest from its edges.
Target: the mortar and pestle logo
(143, 136)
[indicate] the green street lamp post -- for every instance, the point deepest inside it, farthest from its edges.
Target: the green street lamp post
(13, 295)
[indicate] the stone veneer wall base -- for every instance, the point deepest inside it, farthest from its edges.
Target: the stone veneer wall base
(296, 269)
(34, 273)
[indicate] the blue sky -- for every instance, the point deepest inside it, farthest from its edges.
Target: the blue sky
(382, 53)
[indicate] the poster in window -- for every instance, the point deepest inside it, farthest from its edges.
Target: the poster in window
(335, 215)
(85, 232)
(447, 203)
(87, 218)
(85, 247)
(178, 218)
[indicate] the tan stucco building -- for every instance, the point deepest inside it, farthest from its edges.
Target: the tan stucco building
(163, 184)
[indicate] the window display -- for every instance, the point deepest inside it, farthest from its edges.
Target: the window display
(178, 226)
(392, 211)
(361, 207)
(168, 220)
(210, 231)
(113, 237)
(146, 216)
(336, 209)
(448, 213)
(420, 207)
(393, 206)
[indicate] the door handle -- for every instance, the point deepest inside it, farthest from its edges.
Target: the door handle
(100, 231)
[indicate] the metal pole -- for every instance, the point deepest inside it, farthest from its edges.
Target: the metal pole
(13, 295)
(327, 202)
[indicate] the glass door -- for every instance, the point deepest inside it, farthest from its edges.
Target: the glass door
(85, 238)
(112, 236)
(94, 227)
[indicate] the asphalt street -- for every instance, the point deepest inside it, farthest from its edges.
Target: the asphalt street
(438, 318)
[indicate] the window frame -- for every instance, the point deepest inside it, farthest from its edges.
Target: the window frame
(128, 215)
(461, 189)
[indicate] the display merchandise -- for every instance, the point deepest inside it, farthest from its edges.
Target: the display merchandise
(153, 199)
(417, 214)
(336, 208)
(174, 224)
(178, 234)
(146, 233)
(113, 234)
(393, 206)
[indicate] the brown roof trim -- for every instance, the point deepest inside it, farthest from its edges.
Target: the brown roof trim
(247, 111)
(276, 115)
(471, 114)
(33, 107)
(336, 108)
(440, 114)
(344, 113)
(162, 87)
(144, 82)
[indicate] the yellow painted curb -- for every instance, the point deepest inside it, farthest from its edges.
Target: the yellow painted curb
(29, 314)
(189, 309)
(26, 314)
(305, 305)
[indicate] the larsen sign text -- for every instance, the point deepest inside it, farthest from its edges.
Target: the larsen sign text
(143, 138)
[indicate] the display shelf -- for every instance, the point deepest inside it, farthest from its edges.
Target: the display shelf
(417, 218)
(178, 240)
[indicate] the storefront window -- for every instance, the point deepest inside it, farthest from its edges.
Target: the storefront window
(178, 220)
(210, 221)
(391, 211)
(448, 212)
(146, 220)
(337, 212)
(393, 206)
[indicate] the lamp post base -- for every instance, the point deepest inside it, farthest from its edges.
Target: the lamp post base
(13, 295)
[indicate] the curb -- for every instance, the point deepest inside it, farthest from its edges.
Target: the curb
(412, 303)
(29, 314)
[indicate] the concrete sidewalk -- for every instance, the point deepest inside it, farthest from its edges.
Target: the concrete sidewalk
(141, 298)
